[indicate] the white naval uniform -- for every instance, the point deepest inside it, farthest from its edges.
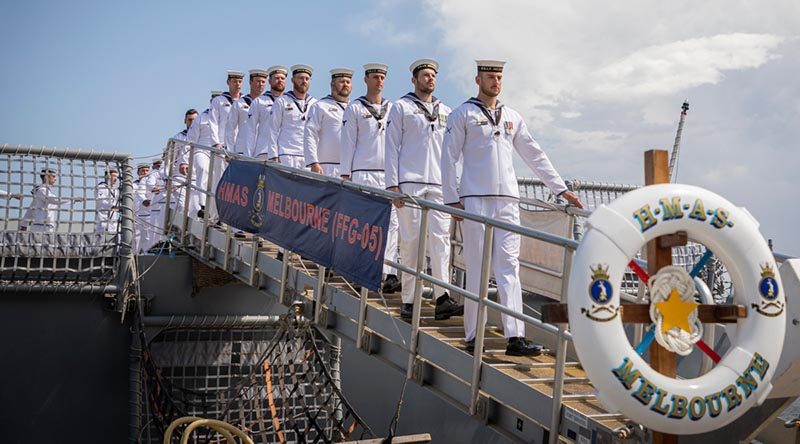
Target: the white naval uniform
(484, 142)
(236, 125)
(42, 214)
(363, 156)
(106, 201)
(322, 139)
(202, 133)
(261, 111)
(220, 111)
(180, 152)
(413, 163)
(141, 228)
(287, 123)
(156, 182)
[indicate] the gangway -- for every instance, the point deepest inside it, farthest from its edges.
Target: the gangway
(524, 398)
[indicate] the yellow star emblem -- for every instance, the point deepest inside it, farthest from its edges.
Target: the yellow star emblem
(675, 312)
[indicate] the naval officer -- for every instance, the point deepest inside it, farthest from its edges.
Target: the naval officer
(363, 149)
(261, 110)
(413, 167)
(141, 208)
(322, 142)
(239, 132)
(107, 203)
(42, 214)
(287, 121)
(180, 152)
(482, 135)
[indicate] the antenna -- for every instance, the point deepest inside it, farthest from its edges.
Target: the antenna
(673, 159)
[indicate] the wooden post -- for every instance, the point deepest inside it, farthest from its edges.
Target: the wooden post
(656, 170)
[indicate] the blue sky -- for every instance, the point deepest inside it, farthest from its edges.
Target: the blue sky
(598, 83)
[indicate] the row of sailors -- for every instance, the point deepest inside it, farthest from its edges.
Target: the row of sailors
(149, 196)
(414, 146)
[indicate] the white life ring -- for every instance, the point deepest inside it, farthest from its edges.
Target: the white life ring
(624, 381)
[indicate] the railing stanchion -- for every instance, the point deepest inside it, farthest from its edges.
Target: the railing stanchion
(561, 346)
(284, 276)
(188, 198)
(477, 361)
(207, 211)
(421, 248)
(318, 292)
(169, 167)
(253, 280)
(362, 317)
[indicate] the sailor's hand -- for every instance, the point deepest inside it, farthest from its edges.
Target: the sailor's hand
(457, 205)
(146, 202)
(275, 159)
(184, 169)
(572, 198)
(15, 196)
(397, 202)
(345, 177)
(78, 199)
(316, 168)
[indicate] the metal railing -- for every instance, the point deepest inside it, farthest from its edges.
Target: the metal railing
(51, 235)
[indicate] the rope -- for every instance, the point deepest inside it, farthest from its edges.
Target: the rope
(661, 286)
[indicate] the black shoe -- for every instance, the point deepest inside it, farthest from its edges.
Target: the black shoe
(391, 284)
(406, 312)
(279, 256)
(446, 308)
(200, 214)
(470, 346)
(522, 347)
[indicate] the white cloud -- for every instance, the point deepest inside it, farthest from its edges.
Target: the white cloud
(602, 82)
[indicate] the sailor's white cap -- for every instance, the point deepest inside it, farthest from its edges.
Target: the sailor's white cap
(142, 165)
(49, 171)
(157, 160)
(215, 93)
(341, 72)
(274, 69)
(235, 74)
(370, 68)
(423, 64)
(258, 73)
(490, 65)
(299, 68)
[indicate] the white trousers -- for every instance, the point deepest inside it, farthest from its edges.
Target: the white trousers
(200, 169)
(141, 231)
(331, 170)
(377, 179)
(438, 248)
(156, 224)
(504, 261)
(293, 161)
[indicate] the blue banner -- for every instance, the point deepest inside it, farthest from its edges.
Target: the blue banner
(342, 229)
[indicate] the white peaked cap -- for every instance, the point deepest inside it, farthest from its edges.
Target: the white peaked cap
(302, 68)
(215, 94)
(341, 72)
(369, 68)
(277, 69)
(258, 73)
(490, 65)
(235, 74)
(423, 64)
(157, 160)
(142, 165)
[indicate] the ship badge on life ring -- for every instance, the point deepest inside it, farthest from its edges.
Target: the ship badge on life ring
(768, 289)
(601, 293)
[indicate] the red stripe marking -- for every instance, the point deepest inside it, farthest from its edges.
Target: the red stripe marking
(639, 271)
(708, 351)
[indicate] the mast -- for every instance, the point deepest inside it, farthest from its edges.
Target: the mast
(673, 159)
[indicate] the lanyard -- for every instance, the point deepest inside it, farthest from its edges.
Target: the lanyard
(342, 106)
(377, 115)
(302, 110)
(431, 116)
(498, 113)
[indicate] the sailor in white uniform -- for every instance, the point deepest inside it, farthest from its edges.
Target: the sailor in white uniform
(413, 167)
(156, 200)
(107, 204)
(141, 208)
(222, 106)
(288, 120)
(239, 133)
(363, 147)
(42, 215)
(482, 135)
(322, 140)
(261, 111)
(180, 152)
(202, 133)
